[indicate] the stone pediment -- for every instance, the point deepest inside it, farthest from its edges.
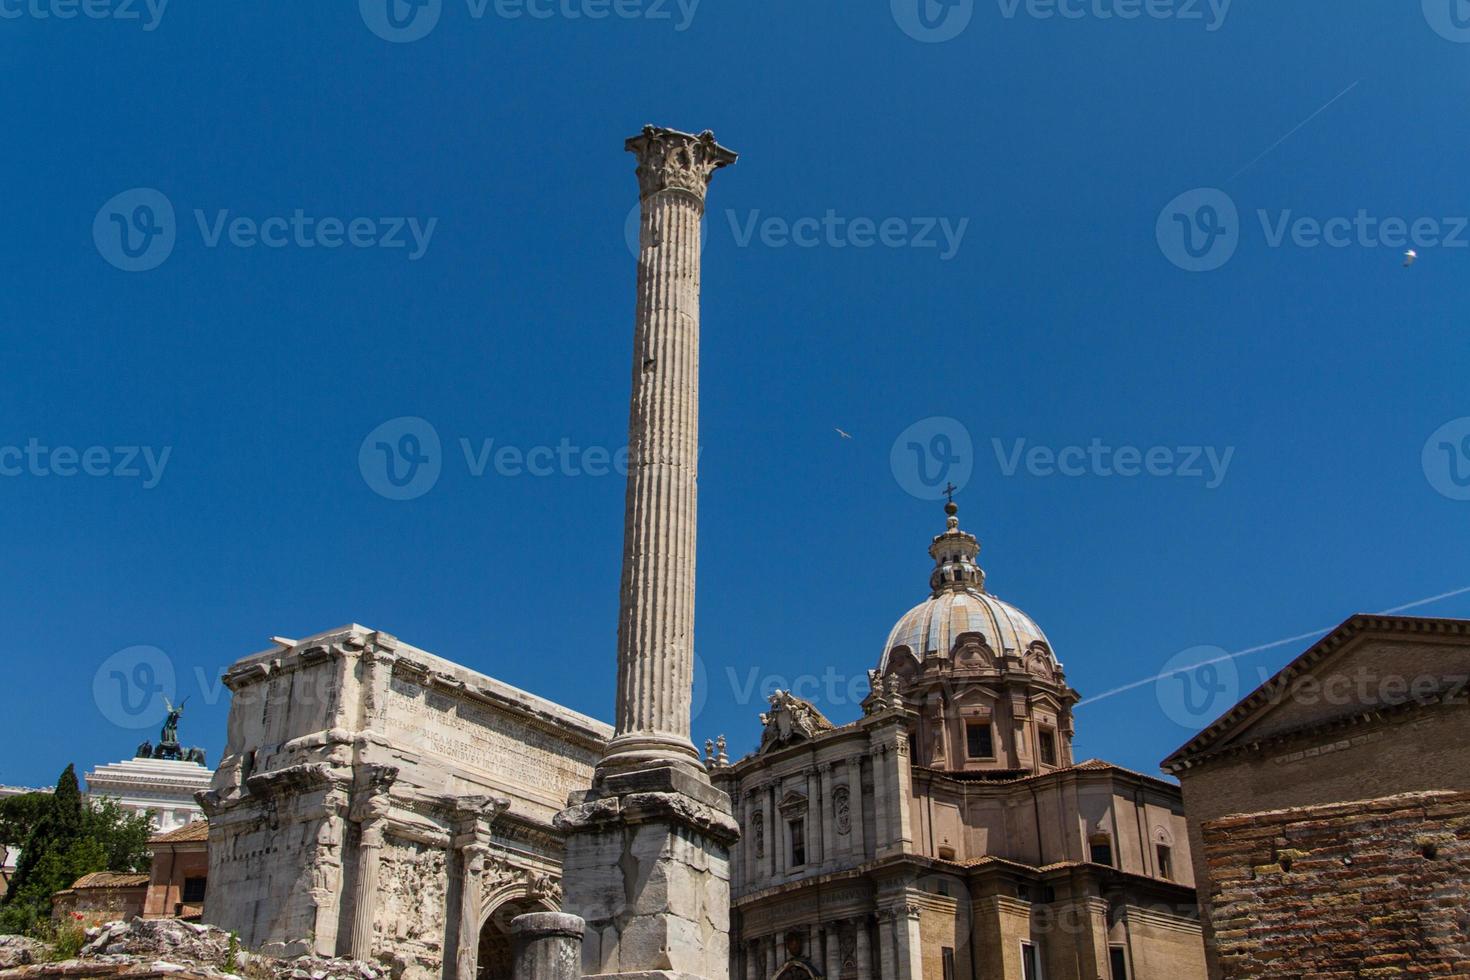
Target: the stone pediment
(1368, 665)
(791, 720)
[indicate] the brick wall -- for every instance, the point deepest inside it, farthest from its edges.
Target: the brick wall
(1375, 888)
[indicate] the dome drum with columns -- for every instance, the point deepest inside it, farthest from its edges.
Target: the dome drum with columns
(989, 692)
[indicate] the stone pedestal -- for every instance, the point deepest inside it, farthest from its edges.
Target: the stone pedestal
(648, 868)
(547, 946)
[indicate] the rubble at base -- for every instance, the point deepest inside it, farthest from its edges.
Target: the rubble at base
(148, 948)
(21, 951)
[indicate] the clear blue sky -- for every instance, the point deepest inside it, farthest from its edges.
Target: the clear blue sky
(1060, 318)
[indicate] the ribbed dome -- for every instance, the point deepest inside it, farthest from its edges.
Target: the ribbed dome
(931, 627)
(959, 604)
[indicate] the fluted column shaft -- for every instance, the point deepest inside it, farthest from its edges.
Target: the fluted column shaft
(472, 886)
(369, 859)
(656, 614)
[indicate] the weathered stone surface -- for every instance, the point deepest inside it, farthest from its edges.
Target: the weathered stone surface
(20, 951)
(548, 946)
(656, 611)
(379, 801)
(647, 858)
(145, 948)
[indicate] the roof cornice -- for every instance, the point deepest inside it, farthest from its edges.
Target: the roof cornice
(1202, 747)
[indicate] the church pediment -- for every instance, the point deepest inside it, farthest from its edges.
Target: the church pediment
(791, 720)
(1367, 664)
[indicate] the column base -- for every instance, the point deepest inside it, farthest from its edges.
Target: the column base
(647, 867)
(629, 753)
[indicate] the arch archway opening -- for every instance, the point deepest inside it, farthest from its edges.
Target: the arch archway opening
(496, 961)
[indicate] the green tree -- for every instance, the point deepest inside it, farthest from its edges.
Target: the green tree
(68, 839)
(123, 835)
(18, 814)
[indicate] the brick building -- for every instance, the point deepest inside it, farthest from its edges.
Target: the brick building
(173, 888)
(1329, 811)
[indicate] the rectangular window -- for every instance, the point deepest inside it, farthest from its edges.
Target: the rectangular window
(978, 740)
(1048, 742)
(1102, 851)
(798, 843)
(947, 955)
(1166, 862)
(1030, 964)
(194, 890)
(1118, 962)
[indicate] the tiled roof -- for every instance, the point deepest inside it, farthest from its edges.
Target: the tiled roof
(192, 832)
(110, 879)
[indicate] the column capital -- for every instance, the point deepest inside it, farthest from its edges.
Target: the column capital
(371, 799)
(671, 160)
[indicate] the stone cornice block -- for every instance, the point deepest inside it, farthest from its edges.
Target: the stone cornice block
(641, 808)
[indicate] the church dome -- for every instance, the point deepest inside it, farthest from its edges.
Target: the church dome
(959, 605)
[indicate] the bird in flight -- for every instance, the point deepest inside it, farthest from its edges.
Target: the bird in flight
(1409, 257)
(845, 435)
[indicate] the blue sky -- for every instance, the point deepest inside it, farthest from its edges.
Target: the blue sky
(1066, 156)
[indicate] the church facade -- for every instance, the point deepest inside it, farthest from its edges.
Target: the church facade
(949, 833)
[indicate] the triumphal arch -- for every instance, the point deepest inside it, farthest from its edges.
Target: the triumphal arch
(378, 801)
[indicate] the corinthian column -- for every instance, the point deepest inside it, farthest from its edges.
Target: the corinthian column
(647, 862)
(370, 809)
(656, 611)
